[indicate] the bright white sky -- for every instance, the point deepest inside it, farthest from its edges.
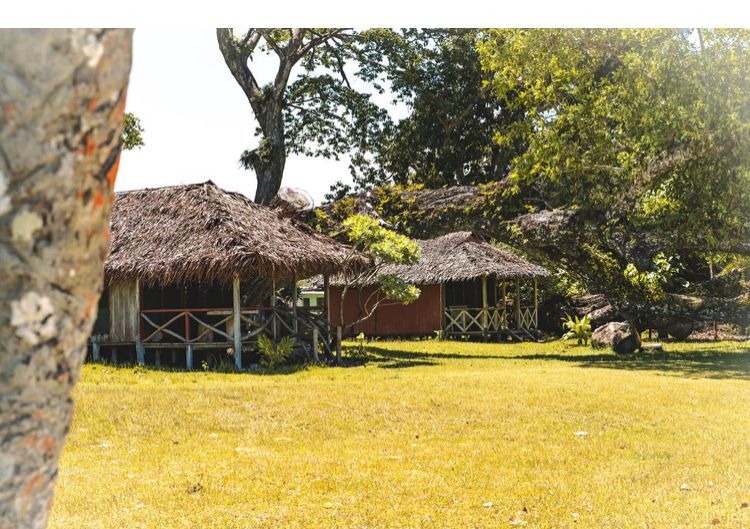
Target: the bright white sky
(197, 120)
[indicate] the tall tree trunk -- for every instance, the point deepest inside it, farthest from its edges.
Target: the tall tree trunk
(269, 168)
(62, 96)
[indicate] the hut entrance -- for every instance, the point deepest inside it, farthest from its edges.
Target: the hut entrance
(491, 307)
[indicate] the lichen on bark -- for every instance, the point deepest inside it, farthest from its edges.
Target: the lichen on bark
(62, 96)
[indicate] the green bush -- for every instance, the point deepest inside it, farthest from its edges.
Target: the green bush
(578, 329)
(273, 354)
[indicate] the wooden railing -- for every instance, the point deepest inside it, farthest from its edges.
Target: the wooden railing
(465, 320)
(215, 325)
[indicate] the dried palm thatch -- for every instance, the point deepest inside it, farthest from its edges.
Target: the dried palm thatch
(201, 233)
(462, 256)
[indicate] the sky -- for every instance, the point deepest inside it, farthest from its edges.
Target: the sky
(197, 120)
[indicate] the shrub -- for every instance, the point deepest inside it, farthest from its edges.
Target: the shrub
(273, 354)
(578, 329)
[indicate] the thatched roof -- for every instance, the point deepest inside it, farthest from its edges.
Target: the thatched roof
(462, 256)
(200, 232)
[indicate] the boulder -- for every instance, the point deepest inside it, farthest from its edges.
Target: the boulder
(622, 337)
(680, 329)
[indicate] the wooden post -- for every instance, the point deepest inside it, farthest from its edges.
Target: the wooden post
(273, 306)
(295, 324)
(174, 357)
(505, 305)
(157, 358)
(189, 357)
(140, 351)
(442, 308)
(338, 345)
(315, 345)
(484, 306)
(326, 301)
(536, 305)
(95, 351)
(237, 322)
(114, 354)
(518, 303)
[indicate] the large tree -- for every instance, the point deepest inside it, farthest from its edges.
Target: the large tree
(635, 164)
(447, 136)
(62, 96)
(309, 107)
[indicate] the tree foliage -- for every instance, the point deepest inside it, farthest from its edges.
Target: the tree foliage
(384, 246)
(132, 132)
(630, 149)
(310, 106)
(447, 136)
(644, 127)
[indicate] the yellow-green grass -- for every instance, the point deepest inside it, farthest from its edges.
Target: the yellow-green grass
(419, 434)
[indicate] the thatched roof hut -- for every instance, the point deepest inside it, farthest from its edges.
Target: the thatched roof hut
(464, 283)
(201, 233)
(462, 256)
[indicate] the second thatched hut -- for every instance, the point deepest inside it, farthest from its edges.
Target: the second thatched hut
(469, 287)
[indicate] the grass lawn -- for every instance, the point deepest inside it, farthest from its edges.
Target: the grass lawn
(419, 434)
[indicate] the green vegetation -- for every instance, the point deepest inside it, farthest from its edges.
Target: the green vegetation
(578, 329)
(421, 434)
(273, 355)
(386, 247)
(132, 132)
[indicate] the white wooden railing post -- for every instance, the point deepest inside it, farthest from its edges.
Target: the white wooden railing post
(484, 306)
(295, 324)
(237, 321)
(315, 345)
(273, 306)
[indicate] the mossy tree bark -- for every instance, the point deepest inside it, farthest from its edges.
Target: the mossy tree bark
(62, 96)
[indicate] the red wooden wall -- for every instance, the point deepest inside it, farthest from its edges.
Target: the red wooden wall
(423, 317)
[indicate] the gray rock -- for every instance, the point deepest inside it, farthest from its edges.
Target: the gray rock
(622, 337)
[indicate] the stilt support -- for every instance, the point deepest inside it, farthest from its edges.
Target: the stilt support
(140, 352)
(189, 357)
(237, 327)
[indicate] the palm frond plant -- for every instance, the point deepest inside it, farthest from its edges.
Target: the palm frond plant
(578, 329)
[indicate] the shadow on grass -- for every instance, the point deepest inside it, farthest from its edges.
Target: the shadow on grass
(695, 363)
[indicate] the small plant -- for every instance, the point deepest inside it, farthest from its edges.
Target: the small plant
(361, 343)
(274, 354)
(578, 329)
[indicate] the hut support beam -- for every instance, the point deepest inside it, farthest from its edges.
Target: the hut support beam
(518, 303)
(140, 351)
(316, 358)
(95, 354)
(536, 305)
(484, 306)
(273, 305)
(295, 324)
(505, 305)
(326, 301)
(189, 357)
(237, 322)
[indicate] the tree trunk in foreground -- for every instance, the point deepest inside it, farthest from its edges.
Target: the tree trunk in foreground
(62, 96)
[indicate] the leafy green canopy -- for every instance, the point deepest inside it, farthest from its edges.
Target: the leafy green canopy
(386, 247)
(648, 128)
(447, 136)
(132, 132)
